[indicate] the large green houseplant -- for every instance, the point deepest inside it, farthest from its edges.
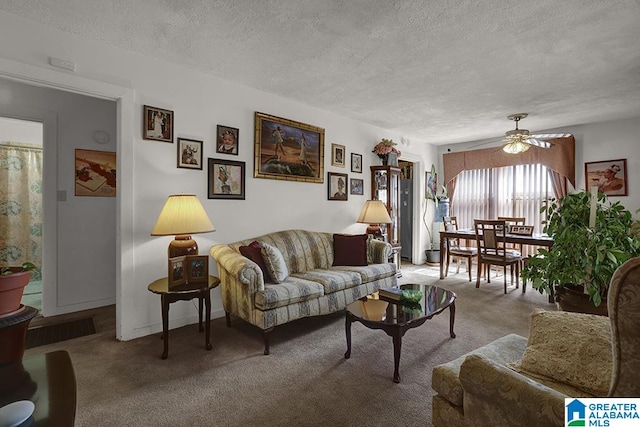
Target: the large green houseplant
(583, 256)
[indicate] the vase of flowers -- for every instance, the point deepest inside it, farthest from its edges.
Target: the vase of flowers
(387, 151)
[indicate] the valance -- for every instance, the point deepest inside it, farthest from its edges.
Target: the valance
(560, 157)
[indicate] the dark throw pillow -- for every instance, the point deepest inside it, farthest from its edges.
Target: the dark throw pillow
(253, 251)
(350, 249)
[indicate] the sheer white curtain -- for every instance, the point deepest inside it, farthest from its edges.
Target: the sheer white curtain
(515, 191)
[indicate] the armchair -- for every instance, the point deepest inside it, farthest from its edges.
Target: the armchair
(493, 385)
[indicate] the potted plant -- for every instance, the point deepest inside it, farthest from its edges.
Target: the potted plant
(433, 251)
(583, 258)
(12, 283)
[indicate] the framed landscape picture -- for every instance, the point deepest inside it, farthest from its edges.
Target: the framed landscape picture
(356, 163)
(337, 155)
(189, 153)
(95, 173)
(226, 179)
(158, 124)
(337, 186)
(227, 140)
(610, 176)
(288, 150)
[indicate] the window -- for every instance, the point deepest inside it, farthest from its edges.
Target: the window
(515, 191)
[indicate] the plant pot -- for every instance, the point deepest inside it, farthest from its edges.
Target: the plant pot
(433, 256)
(572, 298)
(11, 289)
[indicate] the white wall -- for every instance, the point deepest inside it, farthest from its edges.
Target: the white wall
(594, 142)
(148, 171)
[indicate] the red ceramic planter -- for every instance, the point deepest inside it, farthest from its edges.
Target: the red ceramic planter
(11, 289)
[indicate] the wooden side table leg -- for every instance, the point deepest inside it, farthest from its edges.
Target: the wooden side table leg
(452, 319)
(207, 325)
(200, 298)
(164, 301)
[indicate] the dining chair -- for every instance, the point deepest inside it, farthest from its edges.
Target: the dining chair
(522, 230)
(491, 242)
(513, 221)
(455, 250)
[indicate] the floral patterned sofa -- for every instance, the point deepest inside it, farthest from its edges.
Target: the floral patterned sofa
(520, 381)
(304, 275)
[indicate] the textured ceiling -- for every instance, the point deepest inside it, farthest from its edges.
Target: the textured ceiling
(438, 71)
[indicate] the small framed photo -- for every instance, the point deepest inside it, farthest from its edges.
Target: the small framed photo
(610, 176)
(198, 269)
(338, 153)
(227, 140)
(226, 179)
(158, 124)
(189, 153)
(337, 186)
(356, 163)
(177, 274)
(356, 186)
(95, 173)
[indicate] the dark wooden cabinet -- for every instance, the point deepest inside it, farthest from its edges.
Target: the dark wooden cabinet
(385, 186)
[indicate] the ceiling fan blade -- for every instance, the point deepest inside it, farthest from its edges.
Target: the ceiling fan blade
(551, 135)
(538, 143)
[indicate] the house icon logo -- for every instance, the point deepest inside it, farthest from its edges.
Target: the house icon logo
(575, 414)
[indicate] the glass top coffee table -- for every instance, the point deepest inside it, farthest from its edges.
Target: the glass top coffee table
(395, 317)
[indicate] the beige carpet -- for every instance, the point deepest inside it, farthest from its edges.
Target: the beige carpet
(304, 382)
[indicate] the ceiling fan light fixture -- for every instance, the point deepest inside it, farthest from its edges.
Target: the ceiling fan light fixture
(515, 147)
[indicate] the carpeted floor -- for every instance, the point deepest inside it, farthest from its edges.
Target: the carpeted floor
(304, 382)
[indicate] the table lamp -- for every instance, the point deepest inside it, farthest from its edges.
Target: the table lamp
(181, 216)
(374, 213)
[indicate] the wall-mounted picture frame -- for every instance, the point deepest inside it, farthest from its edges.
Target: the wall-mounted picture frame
(337, 186)
(226, 179)
(157, 124)
(95, 173)
(177, 274)
(189, 153)
(356, 163)
(431, 185)
(356, 186)
(610, 176)
(287, 150)
(338, 154)
(227, 140)
(197, 269)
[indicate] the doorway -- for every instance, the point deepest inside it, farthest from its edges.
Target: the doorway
(21, 200)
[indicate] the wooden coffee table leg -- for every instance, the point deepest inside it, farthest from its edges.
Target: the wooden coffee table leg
(397, 347)
(207, 317)
(347, 330)
(165, 325)
(452, 319)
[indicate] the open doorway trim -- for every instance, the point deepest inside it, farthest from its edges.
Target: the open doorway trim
(124, 98)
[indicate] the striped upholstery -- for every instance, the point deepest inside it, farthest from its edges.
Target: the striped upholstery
(313, 287)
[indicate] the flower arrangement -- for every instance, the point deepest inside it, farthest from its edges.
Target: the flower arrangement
(384, 147)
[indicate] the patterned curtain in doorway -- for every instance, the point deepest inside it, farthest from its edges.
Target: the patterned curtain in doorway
(21, 205)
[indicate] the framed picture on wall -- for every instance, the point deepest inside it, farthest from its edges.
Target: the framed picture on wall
(157, 124)
(337, 186)
(227, 140)
(225, 179)
(95, 173)
(338, 153)
(356, 186)
(288, 150)
(356, 163)
(189, 153)
(610, 176)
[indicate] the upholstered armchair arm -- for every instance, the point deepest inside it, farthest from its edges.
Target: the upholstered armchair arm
(237, 266)
(497, 395)
(378, 252)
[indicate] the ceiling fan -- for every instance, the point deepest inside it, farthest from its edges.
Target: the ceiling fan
(519, 140)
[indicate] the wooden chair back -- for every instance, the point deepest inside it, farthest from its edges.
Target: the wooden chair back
(522, 230)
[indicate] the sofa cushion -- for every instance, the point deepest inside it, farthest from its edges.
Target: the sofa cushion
(350, 249)
(253, 251)
(445, 378)
(571, 348)
(274, 261)
(290, 291)
(371, 272)
(332, 280)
